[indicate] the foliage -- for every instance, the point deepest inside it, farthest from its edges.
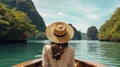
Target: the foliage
(111, 29)
(15, 25)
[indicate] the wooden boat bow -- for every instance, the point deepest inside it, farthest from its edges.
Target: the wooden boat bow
(78, 63)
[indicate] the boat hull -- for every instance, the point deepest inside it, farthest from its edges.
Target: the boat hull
(78, 63)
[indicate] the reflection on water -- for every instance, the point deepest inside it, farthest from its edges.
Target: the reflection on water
(102, 52)
(111, 51)
(92, 48)
(107, 53)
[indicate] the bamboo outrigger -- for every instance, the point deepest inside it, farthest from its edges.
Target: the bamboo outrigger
(78, 63)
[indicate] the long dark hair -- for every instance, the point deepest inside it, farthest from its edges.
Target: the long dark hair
(58, 49)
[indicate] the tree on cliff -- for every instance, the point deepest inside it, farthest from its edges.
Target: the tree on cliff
(92, 33)
(15, 25)
(28, 7)
(110, 30)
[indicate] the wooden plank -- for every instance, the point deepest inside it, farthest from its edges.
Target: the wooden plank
(86, 63)
(30, 63)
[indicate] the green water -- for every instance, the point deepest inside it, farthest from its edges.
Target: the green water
(107, 53)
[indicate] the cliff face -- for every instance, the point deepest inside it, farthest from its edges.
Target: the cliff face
(83, 36)
(27, 6)
(15, 26)
(92, 33)
(77, 34)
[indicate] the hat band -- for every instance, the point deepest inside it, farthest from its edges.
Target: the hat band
(59, 35)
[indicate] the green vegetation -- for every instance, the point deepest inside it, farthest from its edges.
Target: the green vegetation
(92, 33)
(28, 7)
(110, 31)
(15, 25)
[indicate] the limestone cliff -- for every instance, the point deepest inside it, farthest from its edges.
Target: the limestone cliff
(77, 34)
(28, 7)
(92, 33)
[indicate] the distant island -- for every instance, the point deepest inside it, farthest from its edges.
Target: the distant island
(92, 33)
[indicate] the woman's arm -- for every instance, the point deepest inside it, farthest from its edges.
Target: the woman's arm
(44, 57)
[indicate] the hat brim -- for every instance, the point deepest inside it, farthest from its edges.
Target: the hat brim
(53, 38)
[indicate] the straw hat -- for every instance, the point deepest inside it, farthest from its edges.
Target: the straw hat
(59, 32)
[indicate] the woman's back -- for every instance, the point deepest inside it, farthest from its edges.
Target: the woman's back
(66, 60)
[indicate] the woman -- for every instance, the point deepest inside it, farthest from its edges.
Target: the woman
(58, 53)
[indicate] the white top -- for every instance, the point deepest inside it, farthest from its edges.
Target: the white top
(67, 58)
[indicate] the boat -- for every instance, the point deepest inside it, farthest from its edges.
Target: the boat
(78, 63)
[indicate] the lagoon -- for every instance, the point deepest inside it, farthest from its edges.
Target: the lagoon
(107, 53)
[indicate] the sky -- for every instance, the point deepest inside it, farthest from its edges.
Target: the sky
(82, 14)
